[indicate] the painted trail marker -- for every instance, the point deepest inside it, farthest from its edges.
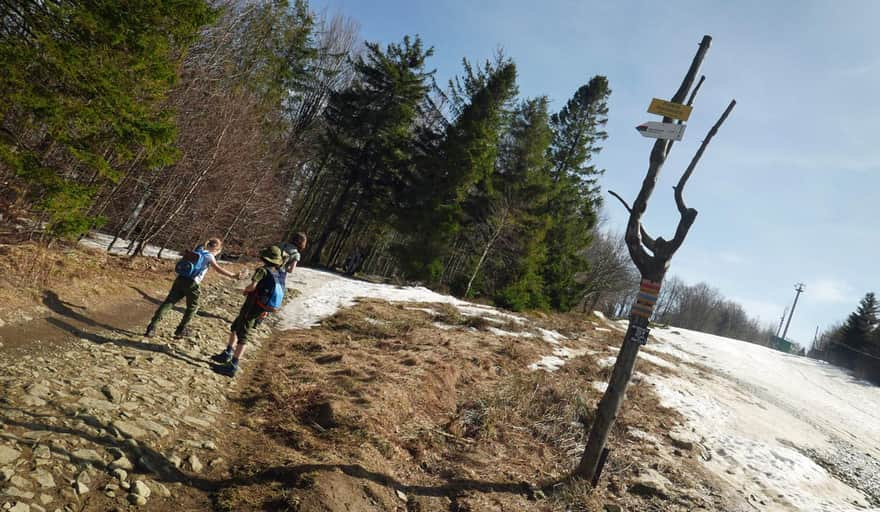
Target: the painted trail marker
(655, 130)
(669, 109)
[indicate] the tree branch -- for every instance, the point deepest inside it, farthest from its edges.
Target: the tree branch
(689, 214)
(647, 239)
(679, 189)
(690, 102)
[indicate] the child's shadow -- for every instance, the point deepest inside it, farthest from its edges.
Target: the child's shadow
(126, 343)
(52, 301)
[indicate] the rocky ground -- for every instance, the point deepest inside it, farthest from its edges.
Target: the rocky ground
(107, 418)
(410, 407)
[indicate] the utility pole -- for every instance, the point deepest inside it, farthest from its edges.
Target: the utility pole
(799, 288)
(781, 321)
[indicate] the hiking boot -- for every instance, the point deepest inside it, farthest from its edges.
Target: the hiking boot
(151, 331)
(222, 358)
(182, 333)
(227, 369)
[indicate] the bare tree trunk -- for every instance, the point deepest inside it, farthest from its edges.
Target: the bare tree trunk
(332, 222)
(499, 227)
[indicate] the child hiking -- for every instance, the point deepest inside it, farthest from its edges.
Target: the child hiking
(264, 295)
(292, 251)
(191, 269)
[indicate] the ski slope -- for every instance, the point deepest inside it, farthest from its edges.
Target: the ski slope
(787, 432)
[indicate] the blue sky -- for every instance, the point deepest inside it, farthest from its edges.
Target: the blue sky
(786, 192)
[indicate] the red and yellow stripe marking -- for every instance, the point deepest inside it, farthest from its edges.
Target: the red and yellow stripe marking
(646, 299)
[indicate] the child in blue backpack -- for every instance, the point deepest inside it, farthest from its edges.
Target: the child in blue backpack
(190, 272)
(264, 295)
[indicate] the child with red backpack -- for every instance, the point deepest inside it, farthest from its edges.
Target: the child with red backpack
(264, 295)
(191, 269)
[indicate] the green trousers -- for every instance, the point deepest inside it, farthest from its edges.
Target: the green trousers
(182, 288)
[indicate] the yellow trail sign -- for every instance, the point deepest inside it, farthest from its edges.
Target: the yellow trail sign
(668, 109)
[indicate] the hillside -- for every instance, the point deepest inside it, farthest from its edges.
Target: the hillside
(421, 403)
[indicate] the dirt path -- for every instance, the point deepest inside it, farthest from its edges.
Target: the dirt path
(94, 417)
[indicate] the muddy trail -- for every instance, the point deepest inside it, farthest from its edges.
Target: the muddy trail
(383, 406)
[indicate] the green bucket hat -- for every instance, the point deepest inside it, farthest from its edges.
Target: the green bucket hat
(272, 254)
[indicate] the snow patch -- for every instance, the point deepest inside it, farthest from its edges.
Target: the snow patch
(501, 332)
(757, 405)
(551, 337)
(101, 241)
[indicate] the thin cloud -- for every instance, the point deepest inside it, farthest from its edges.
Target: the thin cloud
(830, 290)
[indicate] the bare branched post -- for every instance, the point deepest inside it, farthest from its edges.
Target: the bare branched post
(651, 256)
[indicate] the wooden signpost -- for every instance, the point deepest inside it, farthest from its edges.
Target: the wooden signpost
(651, 256)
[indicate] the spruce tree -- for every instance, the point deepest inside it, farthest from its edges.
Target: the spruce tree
(463, 161)
(577, 133)
(861, 324)
(525, 182)
(370, 140)
(81, 91)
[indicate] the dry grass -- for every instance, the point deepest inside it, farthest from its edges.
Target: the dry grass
(368, 322)
(413, 403)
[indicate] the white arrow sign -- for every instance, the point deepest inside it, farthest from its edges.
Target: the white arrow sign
(655, 130)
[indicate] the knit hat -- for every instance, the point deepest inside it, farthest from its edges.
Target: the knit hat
(272, 254)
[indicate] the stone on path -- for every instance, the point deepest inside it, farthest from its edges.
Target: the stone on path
(44, 479)
(128, 429)
(15, 492)
(651, 483)
(122, 463)
(195, 463)
(94, 403)
(39, 391)
(684, 439)
(21, 482)
(88, 456)
(112, 393)
(20, 507)
(8, 454)
(140, 489)
(153, 427)
(81, 488)
(42, 452)
(137, 500)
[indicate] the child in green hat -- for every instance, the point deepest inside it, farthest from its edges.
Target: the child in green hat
(264, 295)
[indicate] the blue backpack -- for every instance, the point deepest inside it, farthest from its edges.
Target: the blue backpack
(192, 264)
(270, 290)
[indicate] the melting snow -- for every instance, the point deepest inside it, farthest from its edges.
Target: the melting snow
(759, 405)
(101, 241)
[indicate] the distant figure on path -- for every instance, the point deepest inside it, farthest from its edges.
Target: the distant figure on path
(293, 250)
(191, 269)
(264, 295)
